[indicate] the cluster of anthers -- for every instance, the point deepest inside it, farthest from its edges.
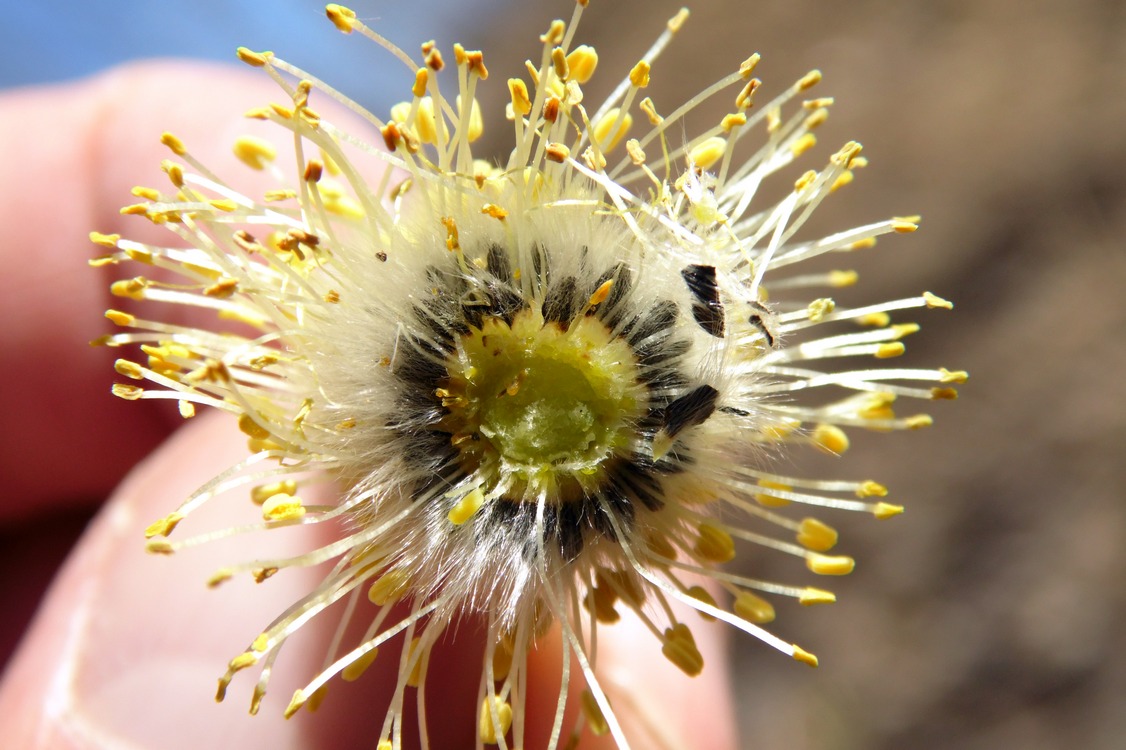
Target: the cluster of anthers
(548, 389)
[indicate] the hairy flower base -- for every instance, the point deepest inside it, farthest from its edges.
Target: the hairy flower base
(551, 390)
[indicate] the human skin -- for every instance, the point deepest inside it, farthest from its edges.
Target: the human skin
(125, 648)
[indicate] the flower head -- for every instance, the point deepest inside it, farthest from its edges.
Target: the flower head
(549, 389)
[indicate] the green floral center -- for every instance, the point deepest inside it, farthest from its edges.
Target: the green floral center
(539, 400)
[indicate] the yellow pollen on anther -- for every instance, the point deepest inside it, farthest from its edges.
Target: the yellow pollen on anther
(803, 144)
(706, 153)
(843, 278)
(342, 17)
(887, 351)
(128, 369)
(252, 58)
(819, 308)
(639, 75)
(173, 143)
(249, 427)
(295, 703)
(159, 547)
(919, 421)
(701, 594)
(601, 293)
(254, 152)
(488, 730)
(164, 526)
(282, 507)
(886, 510)
(810, 596)
(746, 96)
(467, 507)
(521, 103)
(800, 654)
(947, 376)
(223, 204)
(934, 300)
(816, 535)
(753, 608)
(421, 78)
(714, 544)
(810, 79)
(829, 565)
(610, 130)
(830, 438)
(770, 501)
(353, 671)
(264, 492)
(904, 227)
(679, 647)
(581, 62)
(871, 489)
(126, 391)
(389, 587)
(243, 660)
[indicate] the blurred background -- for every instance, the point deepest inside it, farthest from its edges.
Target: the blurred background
(993, 613)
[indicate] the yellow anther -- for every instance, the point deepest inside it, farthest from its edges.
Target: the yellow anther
(295, 703)
(714, 544)
(947, 376)
(264, 492)
(282, 507)
(353, 671)
(844, 178)
(679, 647)
(186, 408)
(220, 576)
(771, 501)
(132, 288)
(810, 596)
(639, 75)
(730, 122)
(701, 594)
(706, 153)
(919, 421)
(746, 97)
(385, 745)
(341, 17)
(829, 565)
(886, 510)
(488, 730)
(809, 80)
(223, 204)
(819, 308)
(252, 58)
(173, 143)
(830, 438)
(495, 211)
(871, 489)
(747, 67)
(803, 144)
(467, 507)
(601, 293)
(280, 195)
(159, 547)
(636, 153)
(421, 78)
(475, 60)
(389, 587)
(249, 427)
(164, 526)
(863, 244)
(521, 102)
(254, 152)
(117, 317)
(451, 233)
(610, 130)
(261, 574)
(676, 23)
(816, 118)
(105, 240)
(476, 125)
(904, 227)
(753, 608)
(221, 289)
(242, 661)
(557, 152)
(559, 63)
(261, 643)
(800, 654)
(129, 369)
(944, 394)
(933, 301)
(805, 181)
(581, 63)
(843, 278)
(502, 661)
(650, 111)
(887, 351)
(141, 256)
(149, 194)
(554, 33)
(127, 392)
(816, 535)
